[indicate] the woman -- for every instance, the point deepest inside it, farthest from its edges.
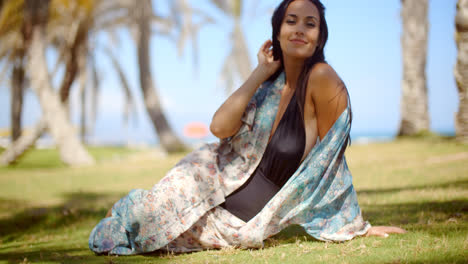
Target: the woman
(280, 160)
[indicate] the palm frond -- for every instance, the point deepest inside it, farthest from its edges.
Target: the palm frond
(236, 6)
(113, 36)
(11, 16)
(189, 30)
(95, 87)
(164, 24)
(184, 23)
(121, 21)
(5, 69)
(10, 43)
(129, 105)
(223, 5)
(83, 81)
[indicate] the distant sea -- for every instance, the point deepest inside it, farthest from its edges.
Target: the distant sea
(356, 138)
(369, 137)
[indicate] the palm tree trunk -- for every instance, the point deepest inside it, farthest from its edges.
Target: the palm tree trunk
(25, 142)
(167, 138)
(461, 70)
(71, 150)
(414, 100)
(17, 87)
(129, 101)
(83, 78)
(83, 121)
(72, 66)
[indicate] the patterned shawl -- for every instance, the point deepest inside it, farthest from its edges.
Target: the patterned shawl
(181, 212)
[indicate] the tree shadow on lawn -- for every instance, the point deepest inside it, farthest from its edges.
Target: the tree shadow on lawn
(79, 256)
(423, 213)
(435, 218)
(50, 255)
(78, 207)
(462, 184)
(417, 216)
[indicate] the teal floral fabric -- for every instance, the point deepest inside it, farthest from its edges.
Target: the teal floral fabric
(181, 213)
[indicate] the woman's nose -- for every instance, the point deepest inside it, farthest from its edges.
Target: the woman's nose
(299, 29)
(299, 32)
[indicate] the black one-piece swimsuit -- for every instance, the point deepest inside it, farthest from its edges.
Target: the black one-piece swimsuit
(281, 159)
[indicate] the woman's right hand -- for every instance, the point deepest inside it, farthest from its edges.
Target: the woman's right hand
(227, 119)
(266, 63)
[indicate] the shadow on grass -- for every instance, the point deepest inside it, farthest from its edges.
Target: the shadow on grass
(76, 255)
(420, 216)
(424, 213)
(70, 255)
(435, 218)
(59, 256)
(455, 184)
(78, 207)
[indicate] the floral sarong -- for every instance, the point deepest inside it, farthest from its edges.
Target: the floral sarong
(181, 213)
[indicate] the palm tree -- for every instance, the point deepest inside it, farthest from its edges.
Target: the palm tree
(107, 15)
(17, 91)
(142, 20)
(461, 70)
(71, 150)
(69, 36)
(91, 18)
(35, 17)
(414, 99)
(139, 18)
(13, 53)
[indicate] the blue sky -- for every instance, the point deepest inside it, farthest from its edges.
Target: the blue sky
(363, 47)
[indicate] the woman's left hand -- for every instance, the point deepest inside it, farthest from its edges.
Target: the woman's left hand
(383, 231)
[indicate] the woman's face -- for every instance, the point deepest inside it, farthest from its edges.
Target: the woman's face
(299, 30)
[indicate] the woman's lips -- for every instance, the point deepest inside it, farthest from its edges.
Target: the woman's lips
(298, 41)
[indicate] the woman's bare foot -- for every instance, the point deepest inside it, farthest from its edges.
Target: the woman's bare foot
(383, 231)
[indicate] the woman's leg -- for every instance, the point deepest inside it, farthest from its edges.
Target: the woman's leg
(218, 228)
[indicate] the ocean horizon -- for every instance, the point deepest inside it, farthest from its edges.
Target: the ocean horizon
(360, 137)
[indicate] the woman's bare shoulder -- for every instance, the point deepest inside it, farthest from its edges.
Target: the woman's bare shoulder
(323, 73)
(323, 69)
(328, 95)
(323, 81)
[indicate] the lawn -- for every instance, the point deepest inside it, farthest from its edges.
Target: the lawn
(47, 210)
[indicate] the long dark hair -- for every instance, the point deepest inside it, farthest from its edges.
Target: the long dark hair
(318, 56)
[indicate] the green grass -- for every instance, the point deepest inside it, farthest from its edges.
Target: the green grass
(47, 210)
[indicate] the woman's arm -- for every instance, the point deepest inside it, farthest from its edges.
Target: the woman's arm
(330, 100)
(227, 119)
(329, 96)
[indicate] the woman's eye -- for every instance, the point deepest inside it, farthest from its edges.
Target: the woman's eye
(310, 24)
(290, 22)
